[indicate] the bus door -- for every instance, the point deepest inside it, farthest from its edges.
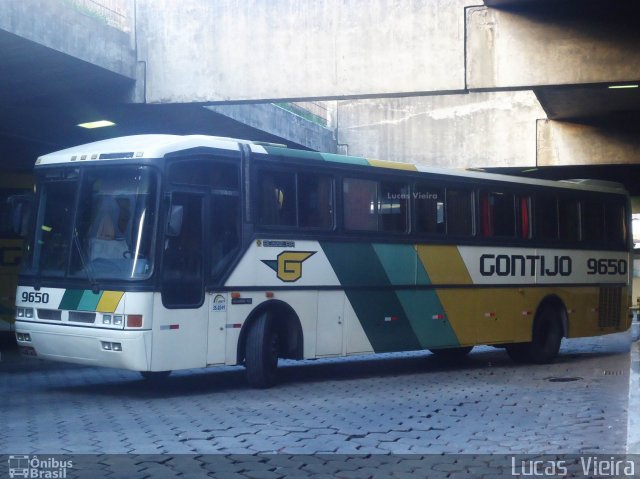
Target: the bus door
(180, 321)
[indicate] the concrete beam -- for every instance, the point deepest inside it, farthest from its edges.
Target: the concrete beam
(563, 143)
(55, 24)
(453, 131)
(514, 49)
(281, 123)
(233, 50)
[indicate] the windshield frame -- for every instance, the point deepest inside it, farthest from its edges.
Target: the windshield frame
(45, 176)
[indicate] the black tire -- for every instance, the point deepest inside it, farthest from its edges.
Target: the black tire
(545, 339)
(547, 335)
(155, 376)
(261, 356)
(452, 353)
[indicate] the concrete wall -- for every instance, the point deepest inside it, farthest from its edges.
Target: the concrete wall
(203, 51)
(564, 143)
(511, 50)
(460, 131)
(56, 25)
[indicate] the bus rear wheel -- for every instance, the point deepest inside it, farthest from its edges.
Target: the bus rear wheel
(545, 340)
(262, 350)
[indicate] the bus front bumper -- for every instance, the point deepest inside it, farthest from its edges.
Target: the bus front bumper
(88, 346)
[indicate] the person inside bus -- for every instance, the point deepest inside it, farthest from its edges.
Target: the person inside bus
(106, 238)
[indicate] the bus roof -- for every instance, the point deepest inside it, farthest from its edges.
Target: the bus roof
(159, 145)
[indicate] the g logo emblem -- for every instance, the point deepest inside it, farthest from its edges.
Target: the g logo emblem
(288, 265)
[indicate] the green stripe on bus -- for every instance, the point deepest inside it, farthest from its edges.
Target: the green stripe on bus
(421, 306)
(379, 311)
(401, 264)
(89, 300)
(313, 155)
(71, 299)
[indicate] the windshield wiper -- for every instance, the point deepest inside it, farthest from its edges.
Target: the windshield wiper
(85, 265)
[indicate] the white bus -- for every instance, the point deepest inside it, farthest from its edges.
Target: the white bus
(156, 253)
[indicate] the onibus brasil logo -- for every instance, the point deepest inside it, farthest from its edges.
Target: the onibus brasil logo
(35, 467)
(288, 264)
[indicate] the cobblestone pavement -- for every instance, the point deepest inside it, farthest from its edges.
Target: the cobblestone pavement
(408, 403)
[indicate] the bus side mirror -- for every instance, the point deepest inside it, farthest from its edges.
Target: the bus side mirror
(20, 206)
(174, 225)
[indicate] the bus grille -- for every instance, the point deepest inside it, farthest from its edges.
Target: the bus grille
(609, 306)
(80, 317)
(50, 314)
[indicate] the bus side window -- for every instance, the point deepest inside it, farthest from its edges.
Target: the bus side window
(546, 218)
(459, 212)
(360, 204)
(569, 219)
(392, 207)
(593, 221)
(524, 217)
(429, 207)
(277, 200)
(315, 201)
(614, 224)
(497, 214)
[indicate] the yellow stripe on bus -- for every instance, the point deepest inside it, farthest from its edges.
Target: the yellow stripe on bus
(443, 264)
(392, 164)
(109, 301)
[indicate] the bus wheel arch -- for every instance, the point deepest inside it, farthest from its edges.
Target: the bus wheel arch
(272, 325)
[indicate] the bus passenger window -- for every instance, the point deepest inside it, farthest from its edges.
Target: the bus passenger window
(497, 214)
(360, 204)
(569, 219)
(392, 207)
(593, 221)
(546, 218)
(315, 201)
(429, 206)
(277, 201)
(459, 212)
(524, 217)
(614, 219)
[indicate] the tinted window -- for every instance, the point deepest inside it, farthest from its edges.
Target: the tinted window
(497, 214)
(392, 209)
(277, 203)
(593, 221)
(546, 217)
(614, 220)
(569, 219)
(360, 198)
(429, 206)
(315, 201)
(459, 212)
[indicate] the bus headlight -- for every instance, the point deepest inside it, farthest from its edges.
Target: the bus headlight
(28, 313)
(20, 312)
(117, 320)
(106, 319)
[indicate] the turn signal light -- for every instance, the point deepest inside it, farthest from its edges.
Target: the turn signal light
(134, 320)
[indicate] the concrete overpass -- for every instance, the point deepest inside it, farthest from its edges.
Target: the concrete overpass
(504, 83)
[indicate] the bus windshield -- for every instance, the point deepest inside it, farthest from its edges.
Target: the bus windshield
(96, 224)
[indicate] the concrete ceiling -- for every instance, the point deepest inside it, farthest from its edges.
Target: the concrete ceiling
(45, 94)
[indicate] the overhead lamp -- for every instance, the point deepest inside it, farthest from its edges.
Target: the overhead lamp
(96, 124)
(619, 87)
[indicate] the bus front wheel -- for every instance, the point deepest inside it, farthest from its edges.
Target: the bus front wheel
(261, 356)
